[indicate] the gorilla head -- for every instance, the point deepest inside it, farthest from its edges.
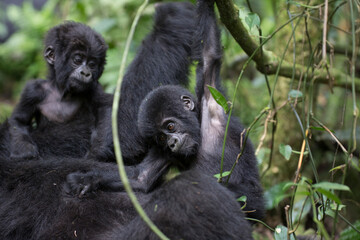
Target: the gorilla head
(169, 119)
(75, 55)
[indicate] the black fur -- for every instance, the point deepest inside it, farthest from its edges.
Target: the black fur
(164, 58)
(245, 178)
(63, 107)
(206, 117)
(66, 198)
(35, 202)
(189, 206)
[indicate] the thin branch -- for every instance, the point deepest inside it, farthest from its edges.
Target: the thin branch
(114, 114)
(268, 62)
(325, 30)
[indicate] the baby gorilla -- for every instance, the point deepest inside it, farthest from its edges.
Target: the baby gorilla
(183, 204)
(64, 106)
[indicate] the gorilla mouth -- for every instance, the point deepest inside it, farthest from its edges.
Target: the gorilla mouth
(187, 147)
(179, 145)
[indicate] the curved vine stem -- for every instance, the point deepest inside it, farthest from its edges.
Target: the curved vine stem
(115, 108)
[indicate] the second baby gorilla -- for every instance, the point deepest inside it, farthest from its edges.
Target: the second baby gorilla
(60, 112)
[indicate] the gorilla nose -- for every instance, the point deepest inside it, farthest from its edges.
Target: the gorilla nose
(174, 144)
(85, 73)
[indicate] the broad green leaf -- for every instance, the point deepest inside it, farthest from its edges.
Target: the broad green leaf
(289, 185)
(302, 193)
(285, 150)
(300, 208)
(224, 174)
(242, 199)
(330, 185)
(329, 195)
(281, 233)
(219, 98)
(252, 19)
(330, 212)
(295, 94)
(274, 195)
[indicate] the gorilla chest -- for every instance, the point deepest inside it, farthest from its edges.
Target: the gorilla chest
(56, 109)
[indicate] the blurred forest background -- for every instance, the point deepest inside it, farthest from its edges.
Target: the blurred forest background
(299, 94)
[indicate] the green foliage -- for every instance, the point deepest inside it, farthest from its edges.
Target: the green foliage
(295, 94)
(5, 111)
(242, 199)
(252, 19)
(331, 186)
(275, 195)
(224, 174)
(172, 173)
(350, 234)
(281, 233)
(285, 150)
(219, 98)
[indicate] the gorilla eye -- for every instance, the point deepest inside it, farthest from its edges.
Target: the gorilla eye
(171, 126)
(77, 59)
(162, 137)
(92, 64)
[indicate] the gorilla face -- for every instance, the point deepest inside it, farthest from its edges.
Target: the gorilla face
(168, 119)
(174, 137)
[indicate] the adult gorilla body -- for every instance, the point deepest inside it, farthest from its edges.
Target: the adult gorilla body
(35, 203)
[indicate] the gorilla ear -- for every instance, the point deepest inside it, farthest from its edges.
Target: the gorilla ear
(49, 55)
(188, 103)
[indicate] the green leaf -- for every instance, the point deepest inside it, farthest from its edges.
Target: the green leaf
(172, 173)
(330, 185)
(330, 212)
(285, 151)
(349, 233)
(242, 199)
(252, 19)
(329, 195)
(281, 233)
(333, 206)
(219, 98)
(295, 94)
(288, 185)
(274, 195)
(300, 208)
(340, 167)
(224, 174)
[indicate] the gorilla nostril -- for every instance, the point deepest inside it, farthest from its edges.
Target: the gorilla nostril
(85, 73)
(173, 143)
